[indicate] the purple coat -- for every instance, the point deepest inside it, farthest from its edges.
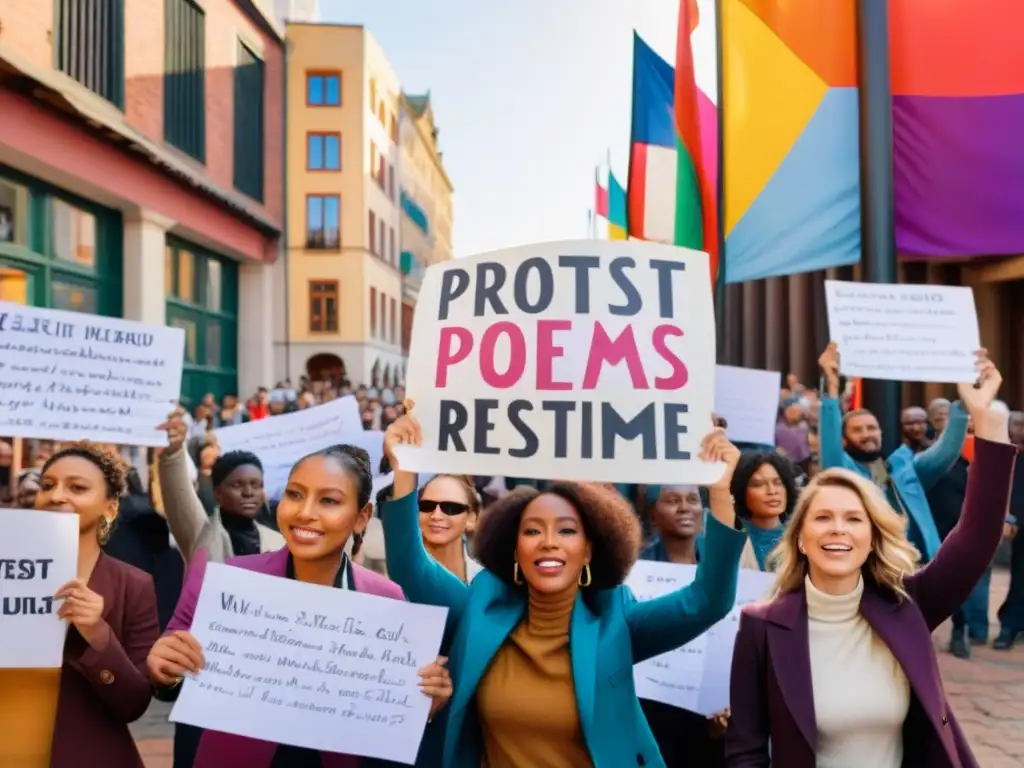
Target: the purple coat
(226, 750)
(771, 694)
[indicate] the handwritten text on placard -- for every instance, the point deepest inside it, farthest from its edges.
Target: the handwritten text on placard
(38, 555)
(72, 376)
(903, 332)
(281, 441)
(695, 676)
(575, 360)
(293, 663)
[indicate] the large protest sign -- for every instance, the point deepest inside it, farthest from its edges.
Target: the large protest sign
(281, 441)
(695, 676)
(72, 376)
(38, 556)
(904, 332)
(311, 666)
(579, 360)
(748, 400)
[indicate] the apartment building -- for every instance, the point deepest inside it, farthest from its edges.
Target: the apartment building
(343, 275)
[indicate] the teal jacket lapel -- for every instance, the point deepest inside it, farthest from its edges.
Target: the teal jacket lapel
(481, 643)
(583, 637)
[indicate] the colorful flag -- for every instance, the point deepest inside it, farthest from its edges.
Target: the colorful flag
(696, 217)
(791, 171)
(957, 111)
(617, 219)
(651, 195)
(600, 195)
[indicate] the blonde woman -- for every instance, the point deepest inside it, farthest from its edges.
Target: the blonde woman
(838, 669)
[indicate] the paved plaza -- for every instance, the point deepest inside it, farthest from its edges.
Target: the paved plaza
(986, 693)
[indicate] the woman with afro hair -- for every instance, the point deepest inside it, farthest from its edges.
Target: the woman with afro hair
(544, 639)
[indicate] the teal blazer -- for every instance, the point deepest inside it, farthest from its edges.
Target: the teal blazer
(604, 641)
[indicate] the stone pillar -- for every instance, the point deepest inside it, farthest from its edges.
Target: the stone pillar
(145, 291)
(255, 327)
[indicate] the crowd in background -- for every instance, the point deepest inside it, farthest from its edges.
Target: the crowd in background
(188, 496)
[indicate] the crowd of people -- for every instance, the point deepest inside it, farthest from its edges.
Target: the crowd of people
(834, 669)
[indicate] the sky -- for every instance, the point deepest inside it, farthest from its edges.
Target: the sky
(529, 96)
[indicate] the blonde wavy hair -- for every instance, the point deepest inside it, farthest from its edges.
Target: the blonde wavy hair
(891, 558)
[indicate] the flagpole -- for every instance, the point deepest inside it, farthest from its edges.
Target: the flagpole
(878, 226)
(721, 315)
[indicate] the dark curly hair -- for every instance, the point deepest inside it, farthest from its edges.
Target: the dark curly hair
(355, 460)
(229, 462)
(468, 488)
(748, 464)
(111, 464)
(609, 523)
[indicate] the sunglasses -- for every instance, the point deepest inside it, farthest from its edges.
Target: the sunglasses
(450, 508)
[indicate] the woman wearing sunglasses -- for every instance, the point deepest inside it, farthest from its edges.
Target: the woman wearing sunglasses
(449, 508)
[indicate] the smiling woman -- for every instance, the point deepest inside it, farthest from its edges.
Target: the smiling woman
(550, 620)
(325, 503)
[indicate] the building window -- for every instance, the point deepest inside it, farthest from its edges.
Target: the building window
(394, 321)
(393, 129)
(202, 299)
(373, 312)
(382, 113)
(58, 251)
(323, 306)
(323, 152)
(378, 165)
(185, 77)
(383, 316)
(249, 109)
(323, 222)
(383, 244)
(323, 89)
(373, 95)
(391, 183)
(392, 256)
(373, 232)
(90, 45)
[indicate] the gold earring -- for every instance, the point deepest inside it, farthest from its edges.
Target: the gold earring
(103, 530)
(515, 574)
(586, 572)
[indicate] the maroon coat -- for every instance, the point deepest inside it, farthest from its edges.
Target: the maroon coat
(771, 693)
(101, 691)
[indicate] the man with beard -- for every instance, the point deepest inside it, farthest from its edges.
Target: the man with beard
(855, 443)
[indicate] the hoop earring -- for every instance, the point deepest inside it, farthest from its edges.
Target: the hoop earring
(585, 571)
(515, 574)
(103, 531)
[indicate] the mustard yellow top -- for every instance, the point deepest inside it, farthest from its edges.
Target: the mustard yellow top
(527, 700)
(28, 701)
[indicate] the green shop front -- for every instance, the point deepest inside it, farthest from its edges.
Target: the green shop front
(60, 251)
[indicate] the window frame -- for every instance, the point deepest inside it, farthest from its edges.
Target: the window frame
(199, 375)
(322, 196)
(314, 295)
(324, 136)
(325, 74)
(184, 125)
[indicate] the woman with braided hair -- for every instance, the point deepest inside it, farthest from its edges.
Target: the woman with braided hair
(325, 504)
(112, 620)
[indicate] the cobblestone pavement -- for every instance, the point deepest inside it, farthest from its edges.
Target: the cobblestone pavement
(986, 693)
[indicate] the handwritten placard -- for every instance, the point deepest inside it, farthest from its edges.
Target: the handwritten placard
(38, 556)
(282, 440)
(578, 360)
(904, 332)
(292, 663)
(748, 400)
(73, 376)
(695, 676)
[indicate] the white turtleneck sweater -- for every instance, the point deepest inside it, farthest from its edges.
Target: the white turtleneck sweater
(861, 696)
